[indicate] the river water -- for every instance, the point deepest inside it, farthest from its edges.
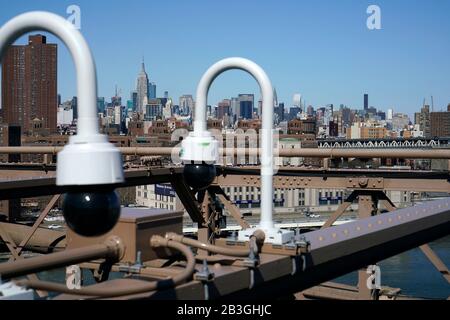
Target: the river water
(413, 272)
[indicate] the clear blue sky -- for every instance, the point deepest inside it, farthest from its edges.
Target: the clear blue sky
(321, 49)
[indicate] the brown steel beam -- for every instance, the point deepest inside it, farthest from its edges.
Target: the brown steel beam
(235, 213)
(311, 181)
(330, 291)
(232, 209)
(338, 291)
(27, 188)
(337, 250)
(28, 166)
(406, 181)
(206, 230)
(112, 249)
(333, 252)
(340, 210)
(387, 203)
(44, 186)
(30, 234)
(43, 241)
(16, 256)
(188, 200)
(366, 207)
(436, 261)
(37, 223)
(302, 152)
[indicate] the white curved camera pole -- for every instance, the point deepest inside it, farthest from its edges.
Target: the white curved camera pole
(88, 159)
(266, 223)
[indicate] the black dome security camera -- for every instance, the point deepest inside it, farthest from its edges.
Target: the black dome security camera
(199, 176)
(91, 212)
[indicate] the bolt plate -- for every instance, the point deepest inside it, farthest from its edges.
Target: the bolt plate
(365, 183)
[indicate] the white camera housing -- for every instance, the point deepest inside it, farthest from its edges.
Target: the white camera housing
(92, 161)
(199, 147)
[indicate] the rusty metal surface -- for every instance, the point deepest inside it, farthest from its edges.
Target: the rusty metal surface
(406, 181)
(110, 250)
(233, 210)
(333, 252)
(336, 179)
(188, 200)
(340, 210)
(37, 223)
(436, 261)
(15, 253)
(337, 291)
(135, 227)
(42, 241)
(302, 152)
(366, 208)
(45, 185)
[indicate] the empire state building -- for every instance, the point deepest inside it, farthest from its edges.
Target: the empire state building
(142, 89)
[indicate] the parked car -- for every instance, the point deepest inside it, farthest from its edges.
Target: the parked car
(54, 226)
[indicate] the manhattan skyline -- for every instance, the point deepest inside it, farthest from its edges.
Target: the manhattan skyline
(322, 49)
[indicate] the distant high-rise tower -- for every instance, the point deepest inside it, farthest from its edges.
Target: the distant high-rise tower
(390, 114)
(29, 83)
(74, 104)
(235, 108)
(297, 100)
(152, 90)
(366, 101)
(186, 104)
(275, 97)
(134, 99)
(246, 105)
(142, 88)
(101, 104)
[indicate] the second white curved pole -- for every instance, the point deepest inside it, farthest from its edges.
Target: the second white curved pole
(267, 124)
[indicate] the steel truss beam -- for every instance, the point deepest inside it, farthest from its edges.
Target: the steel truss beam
(301, 152)
(341, 179)
(333, 252)
(285, 179)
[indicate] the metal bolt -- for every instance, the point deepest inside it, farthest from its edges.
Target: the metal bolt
(363, 182)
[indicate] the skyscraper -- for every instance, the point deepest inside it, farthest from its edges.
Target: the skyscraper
(186, 104)
(390, 114)
(235, 108)
(366, 101)
(423, 119)
(142, 88)
(440, 123)
(280, 111)
(74, 106)
(223, 109)
(101, 104)
(152, 90)
(297, 100)
(246, 105)
(275, 98)
(134, 99)
(29, 83)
